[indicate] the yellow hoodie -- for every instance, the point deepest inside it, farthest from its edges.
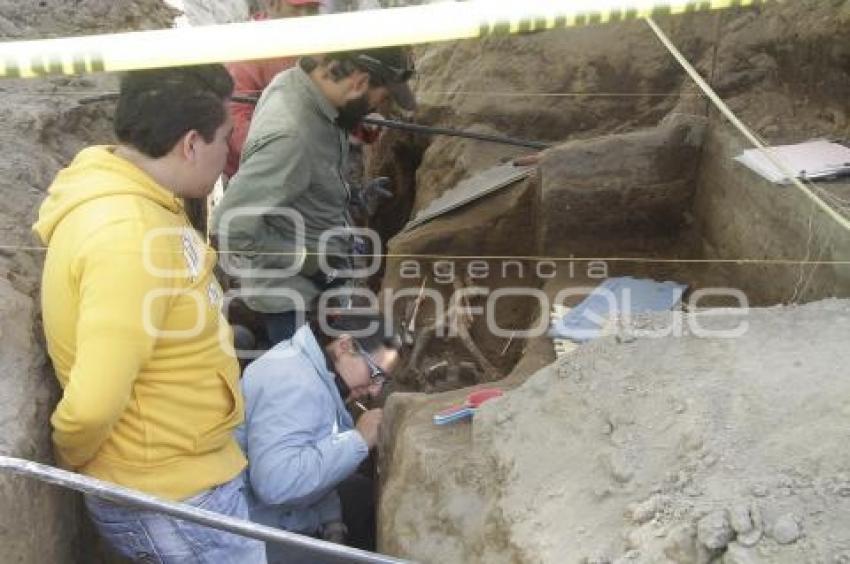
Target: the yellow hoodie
(132, 315)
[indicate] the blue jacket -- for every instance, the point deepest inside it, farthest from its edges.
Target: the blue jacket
(298, 436)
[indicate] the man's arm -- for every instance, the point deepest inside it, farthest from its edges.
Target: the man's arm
(290, 462)
(113, 342)
(250, 78)
(274, 173)
(241, 114)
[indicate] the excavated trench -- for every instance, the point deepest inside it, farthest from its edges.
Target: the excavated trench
(622, 184)
(527, 483)
(580, 462)
(664, 204)
(619, 184)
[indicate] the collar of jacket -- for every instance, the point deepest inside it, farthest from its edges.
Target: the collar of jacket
(341, 386)
(307, 343)
(322, 104)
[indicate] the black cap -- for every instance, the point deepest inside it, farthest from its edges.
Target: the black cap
(393, 67)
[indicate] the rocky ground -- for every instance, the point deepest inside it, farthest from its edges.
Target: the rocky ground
(681, 449)
(674, 450)
(685, 450)
(784, 69)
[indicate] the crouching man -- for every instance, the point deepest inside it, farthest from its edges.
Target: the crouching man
(133, 323)
(302, 446)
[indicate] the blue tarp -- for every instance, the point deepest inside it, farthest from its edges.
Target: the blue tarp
(616, 296)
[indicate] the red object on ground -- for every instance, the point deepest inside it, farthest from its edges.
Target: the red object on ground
(467, 409)
(475, 399)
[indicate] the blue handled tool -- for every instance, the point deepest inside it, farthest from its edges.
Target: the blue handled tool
(467, 409)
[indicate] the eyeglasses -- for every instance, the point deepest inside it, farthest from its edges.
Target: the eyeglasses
(377, 374)
(388, 73)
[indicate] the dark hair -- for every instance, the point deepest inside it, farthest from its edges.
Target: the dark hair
(158, 107)
(368, 329)
(340, 65)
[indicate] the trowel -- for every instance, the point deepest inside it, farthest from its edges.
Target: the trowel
(467, 409)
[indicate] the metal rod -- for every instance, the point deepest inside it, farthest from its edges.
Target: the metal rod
(126, 496)
(389, 124)
(428, 130)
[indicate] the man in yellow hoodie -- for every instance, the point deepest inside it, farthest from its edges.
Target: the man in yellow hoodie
(132, 315)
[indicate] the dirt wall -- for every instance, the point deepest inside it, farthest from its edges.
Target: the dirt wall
(594, 91)
(740, 215)
(656, 449)
(681, 449)
(43, 126)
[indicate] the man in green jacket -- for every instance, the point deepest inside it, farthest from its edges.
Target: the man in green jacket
(282, 224)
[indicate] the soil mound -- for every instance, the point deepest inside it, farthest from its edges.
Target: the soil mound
(689, 448)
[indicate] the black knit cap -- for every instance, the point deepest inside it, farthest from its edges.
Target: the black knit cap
(393, 67)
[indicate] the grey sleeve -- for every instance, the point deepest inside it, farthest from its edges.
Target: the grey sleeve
(273, 174)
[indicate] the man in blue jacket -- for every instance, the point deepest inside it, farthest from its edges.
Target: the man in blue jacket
(302, 445)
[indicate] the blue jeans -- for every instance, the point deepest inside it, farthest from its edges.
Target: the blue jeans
(153, 538)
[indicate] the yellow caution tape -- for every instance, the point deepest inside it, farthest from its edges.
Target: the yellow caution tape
(327, 33)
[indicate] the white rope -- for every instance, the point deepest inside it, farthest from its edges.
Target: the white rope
(724, 109)
(534, 258)
(419, 94)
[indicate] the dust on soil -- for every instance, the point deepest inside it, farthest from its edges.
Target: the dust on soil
(783, 68)
(686, 449)
(674, 450)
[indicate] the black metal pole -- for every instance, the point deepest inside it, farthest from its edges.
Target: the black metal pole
(392, 124)
(416, 128)
(428, 130)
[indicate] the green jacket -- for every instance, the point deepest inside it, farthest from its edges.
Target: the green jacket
(292, 164)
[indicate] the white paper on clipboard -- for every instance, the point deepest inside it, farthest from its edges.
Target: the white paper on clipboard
(810, 160)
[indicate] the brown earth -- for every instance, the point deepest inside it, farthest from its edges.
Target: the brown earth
(537, 479)
(44, 125)
(497, 492)
(650, 449)
(580, 84)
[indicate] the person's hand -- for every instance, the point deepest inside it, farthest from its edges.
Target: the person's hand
(378, 188)
(369, 424)
(372, 133)
(369, 197)
(335, 531)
